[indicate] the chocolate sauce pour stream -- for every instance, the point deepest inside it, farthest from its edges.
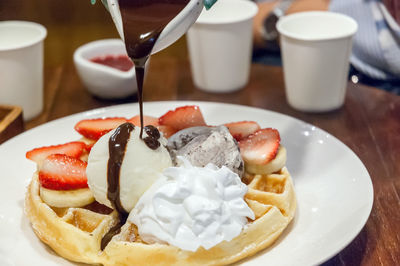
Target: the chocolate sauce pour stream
(143, 21)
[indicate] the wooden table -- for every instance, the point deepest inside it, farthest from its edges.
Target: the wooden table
(369, 122)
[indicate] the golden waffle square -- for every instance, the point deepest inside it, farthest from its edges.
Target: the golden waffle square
(76, 233)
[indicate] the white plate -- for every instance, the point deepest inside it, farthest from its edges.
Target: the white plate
(334, 190)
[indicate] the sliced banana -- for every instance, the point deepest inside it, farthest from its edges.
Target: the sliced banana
(66, 198)
(271, 167)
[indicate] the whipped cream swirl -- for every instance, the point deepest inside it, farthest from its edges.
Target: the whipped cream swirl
(189, 207)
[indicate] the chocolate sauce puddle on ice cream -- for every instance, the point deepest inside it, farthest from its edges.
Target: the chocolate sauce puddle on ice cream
(143, 21)
(153, 135)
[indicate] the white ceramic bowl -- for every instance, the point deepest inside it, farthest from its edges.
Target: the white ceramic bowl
(100, 80)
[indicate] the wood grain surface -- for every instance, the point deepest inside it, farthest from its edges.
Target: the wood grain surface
(11, 122)
(369, 122)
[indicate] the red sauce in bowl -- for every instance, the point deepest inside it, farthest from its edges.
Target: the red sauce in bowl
(120, 62)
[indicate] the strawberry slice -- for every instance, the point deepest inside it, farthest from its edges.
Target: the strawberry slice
(147, 120)
(242, 129)
(89, 147)
(183, 117)
(167, 130)
(73, 149)
(95, 128)
(62, 172)
(260, 147)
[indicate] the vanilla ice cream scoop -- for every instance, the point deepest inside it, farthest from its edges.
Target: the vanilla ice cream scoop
(122, 166)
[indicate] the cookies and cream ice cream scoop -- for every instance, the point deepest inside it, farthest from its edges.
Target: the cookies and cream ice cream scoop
(204, 145)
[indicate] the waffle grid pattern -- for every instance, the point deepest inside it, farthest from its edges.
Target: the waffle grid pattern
(76, 233)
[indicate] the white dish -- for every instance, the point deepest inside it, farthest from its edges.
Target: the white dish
(334, 190)
(100, 80)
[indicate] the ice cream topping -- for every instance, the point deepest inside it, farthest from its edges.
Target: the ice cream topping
(142, 164)
(189, 207)
(203, 145)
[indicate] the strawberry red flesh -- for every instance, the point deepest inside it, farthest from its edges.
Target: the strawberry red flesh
(62, 172)
(96, 128)
(260, 147)
(183, 117)
(167, 131)
(73, 149)
(242, 129)
(147, 120)
(89, 147)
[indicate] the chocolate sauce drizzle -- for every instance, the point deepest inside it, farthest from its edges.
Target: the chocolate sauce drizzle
(116, 148)
(139, 69)
(115, 230)
(143, 21)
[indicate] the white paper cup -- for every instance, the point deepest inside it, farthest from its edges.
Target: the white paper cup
(21, 66)
(316, 47)
(220, 45)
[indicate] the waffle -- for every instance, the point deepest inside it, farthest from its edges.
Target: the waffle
(76, 233)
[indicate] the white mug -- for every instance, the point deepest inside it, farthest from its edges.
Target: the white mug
(21, 66)
(174, 29)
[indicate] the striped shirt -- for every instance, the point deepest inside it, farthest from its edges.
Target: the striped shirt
(376, 45)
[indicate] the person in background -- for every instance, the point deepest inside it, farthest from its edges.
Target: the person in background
(375, 59)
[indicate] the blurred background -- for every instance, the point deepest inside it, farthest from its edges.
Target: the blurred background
(69, 24)
(75, 22)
